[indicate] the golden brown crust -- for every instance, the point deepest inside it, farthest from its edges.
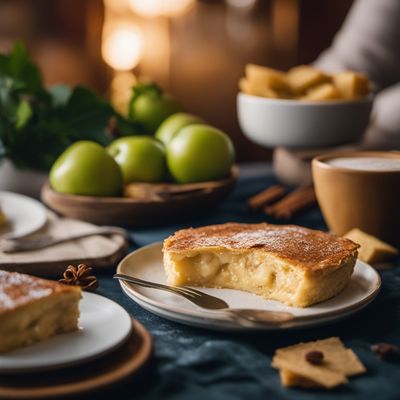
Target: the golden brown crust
(17, 290)
(306, 248)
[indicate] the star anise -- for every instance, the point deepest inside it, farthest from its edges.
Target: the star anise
(80, 276)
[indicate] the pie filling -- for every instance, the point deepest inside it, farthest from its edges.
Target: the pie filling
(258, 272)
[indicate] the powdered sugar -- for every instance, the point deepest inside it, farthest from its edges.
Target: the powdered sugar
(307, 247)
(19, 289)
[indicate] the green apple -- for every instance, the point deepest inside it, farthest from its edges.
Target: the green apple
(86, 168)
(173, 124)
(141, 158)
(199, 153)
(150, 106)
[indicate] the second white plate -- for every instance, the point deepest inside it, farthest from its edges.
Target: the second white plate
(24, 215)
(146, 263)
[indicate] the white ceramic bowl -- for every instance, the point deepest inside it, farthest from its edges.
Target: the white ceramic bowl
(295, 123)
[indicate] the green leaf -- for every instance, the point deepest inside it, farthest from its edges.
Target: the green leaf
(19, 66)
(60, 94)
(38, 146)
(125, 127)
(87, 116)
(24, 114)
(8, 99)
(6, 133)
(37, 125)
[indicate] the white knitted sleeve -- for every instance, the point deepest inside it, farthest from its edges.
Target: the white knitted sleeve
(368, 41)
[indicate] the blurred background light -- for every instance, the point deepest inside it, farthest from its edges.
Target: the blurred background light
(157, 8)
(122, 46)
(121, 90)
(117, 5)
(198, 56)
(246, 4)
(240, 27)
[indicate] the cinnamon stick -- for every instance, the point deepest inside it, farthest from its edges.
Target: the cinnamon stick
(266, 197)
(294, 202)
(297, 195)
(295, 208)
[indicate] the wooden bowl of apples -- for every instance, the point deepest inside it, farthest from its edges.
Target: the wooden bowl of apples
(143, 204)
(114, 186)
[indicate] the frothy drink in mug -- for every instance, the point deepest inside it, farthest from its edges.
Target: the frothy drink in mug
(360, 190)
(366, 163)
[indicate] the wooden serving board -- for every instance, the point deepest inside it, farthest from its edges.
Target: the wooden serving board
(144, 204)
(88, 377)
(95, 251)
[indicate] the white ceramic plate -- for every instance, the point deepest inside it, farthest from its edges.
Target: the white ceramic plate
(146, 263)
(24, 215)
(104, 325)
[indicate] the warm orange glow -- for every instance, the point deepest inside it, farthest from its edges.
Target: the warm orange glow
(156, 8)
(117, 5)
(122, 46)
(241, 3)
(121, 90)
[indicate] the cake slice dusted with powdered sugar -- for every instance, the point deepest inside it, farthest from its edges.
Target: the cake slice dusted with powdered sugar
(34, 309)
(288, 263)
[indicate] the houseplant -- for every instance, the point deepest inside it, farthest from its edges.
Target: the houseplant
(37, 123)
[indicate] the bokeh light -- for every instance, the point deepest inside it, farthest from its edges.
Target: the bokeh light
(156, 8)
(122, 47)
(121, 90)
(118, 6)
(241, 3)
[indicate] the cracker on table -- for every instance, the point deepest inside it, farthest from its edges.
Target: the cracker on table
(339, 363)
(371, 248)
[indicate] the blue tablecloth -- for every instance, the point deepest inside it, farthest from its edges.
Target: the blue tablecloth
(191, 363)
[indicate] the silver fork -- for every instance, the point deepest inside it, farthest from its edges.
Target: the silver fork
(212, 303)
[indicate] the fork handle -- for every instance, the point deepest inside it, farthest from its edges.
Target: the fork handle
(243, 317)
(25, 244)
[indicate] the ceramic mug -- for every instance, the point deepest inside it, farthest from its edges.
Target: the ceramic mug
(365, 198)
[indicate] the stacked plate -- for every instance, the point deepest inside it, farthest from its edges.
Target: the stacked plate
(146, 263)
(108, 347)
(104, 325)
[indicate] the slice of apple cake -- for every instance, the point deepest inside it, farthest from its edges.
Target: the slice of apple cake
(34, 309)
(288, 263)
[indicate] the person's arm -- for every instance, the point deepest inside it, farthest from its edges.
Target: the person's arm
(384, 129)
(369, 42)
